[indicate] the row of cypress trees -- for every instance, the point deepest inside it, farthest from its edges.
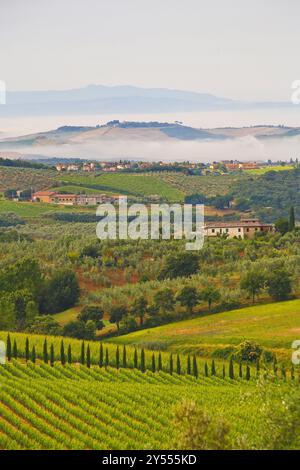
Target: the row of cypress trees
(138, 363)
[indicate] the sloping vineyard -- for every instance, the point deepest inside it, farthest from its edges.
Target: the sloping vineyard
(74, 407)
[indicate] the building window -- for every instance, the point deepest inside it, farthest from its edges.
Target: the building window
(227, 230)
(212, 230)
(247, 230)
(239, 229)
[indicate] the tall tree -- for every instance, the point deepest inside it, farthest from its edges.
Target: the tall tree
(171, 364)
(8, 348)
(292, 219)
(139, 308)
(27, 353)
(153, 363)
(116, 315)
(33, 354)
(101, 355)
(82, 353)
(117, 357)
(88, 356)
(253, 282)
(159, 365)
(124, 357)
(52, 356)
(135, 359)
(143, 365)
(188, 297)
(62, 353)
(210, 295)
(178, 365)
(45, 352)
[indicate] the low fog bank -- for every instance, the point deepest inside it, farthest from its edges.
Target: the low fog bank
(243, 149)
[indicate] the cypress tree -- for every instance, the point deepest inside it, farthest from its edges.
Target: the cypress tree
(213, 368)
(101, 355)
(195, 366)
(240, 370)
(62, 353)
(27, 353)
(88, 356)
(82, 354)
(106, 358)
(178, 365)
(33, 355)
(205, 369)
(159, 366)
(143, 367)
(171, 364)
(8, 348)
(45, 352)
(231, 370)
(52, 355)
(15, 350)
(153, 363)
(292, 219)
(247, 372)
(124, 357)
(223, 372)
(135, 359)
(188, 368)
(69, 354)
(117, 357)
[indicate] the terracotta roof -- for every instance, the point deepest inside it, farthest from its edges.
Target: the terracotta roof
(64, 195)
(44, 193)
(235, 224)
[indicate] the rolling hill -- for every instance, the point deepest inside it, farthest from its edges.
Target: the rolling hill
(274, 326)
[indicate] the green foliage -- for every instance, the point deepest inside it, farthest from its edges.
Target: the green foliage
(188, 297)
(60, 292)
(179, 265)
(94, 313)
(253, 282)
(279, 284)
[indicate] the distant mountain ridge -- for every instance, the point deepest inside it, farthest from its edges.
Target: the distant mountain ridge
(100, 99)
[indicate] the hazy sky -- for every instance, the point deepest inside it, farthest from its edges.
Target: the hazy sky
(235, 48)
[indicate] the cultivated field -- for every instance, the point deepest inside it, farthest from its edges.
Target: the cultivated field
(68, 407)
(128, 184)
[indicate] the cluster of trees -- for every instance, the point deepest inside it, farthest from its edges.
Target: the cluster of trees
(25, 293)
(278, 283)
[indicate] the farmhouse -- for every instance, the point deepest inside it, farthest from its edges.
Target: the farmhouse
(43, 196)
(51, 197)
(245, 228)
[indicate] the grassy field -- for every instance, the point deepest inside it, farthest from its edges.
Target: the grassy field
(274, 326)
(262, 171)
(130, 184)
(36, 209)
(69, 407)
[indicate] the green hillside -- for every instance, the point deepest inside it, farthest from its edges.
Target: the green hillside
(274, 326)
(127, 184)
